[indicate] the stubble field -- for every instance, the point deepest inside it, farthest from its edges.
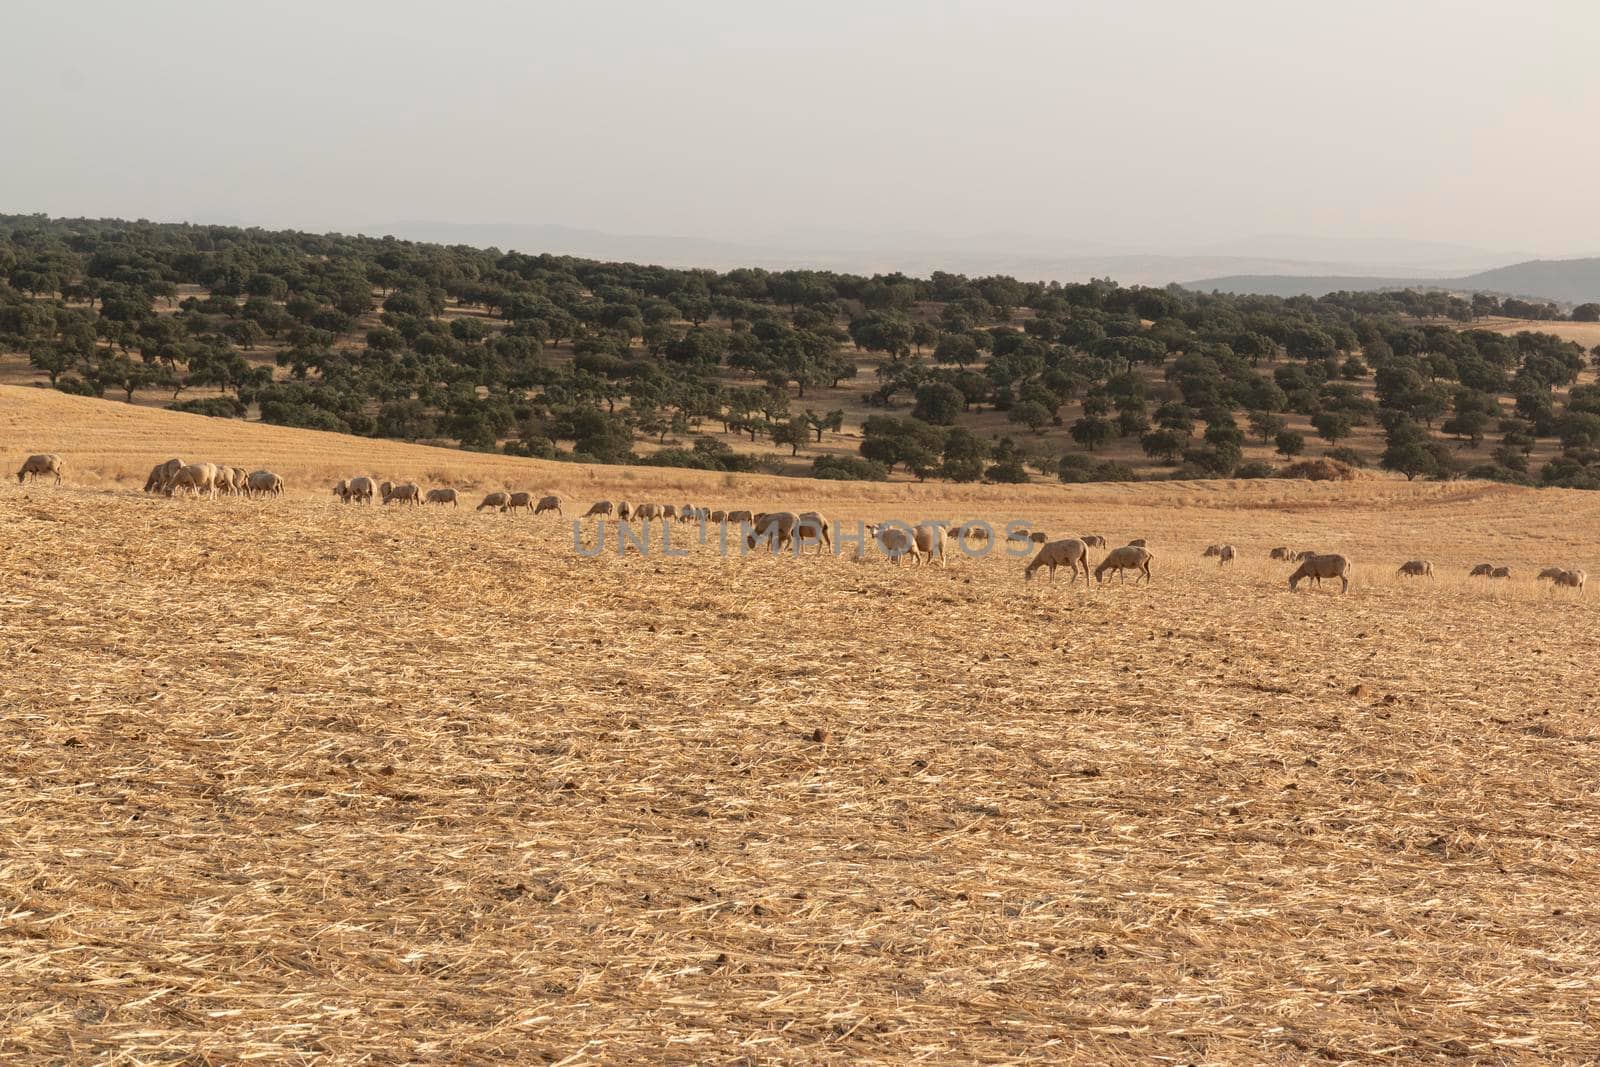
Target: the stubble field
(304, 782)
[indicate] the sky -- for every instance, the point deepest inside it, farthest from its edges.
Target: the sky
(1158, 126)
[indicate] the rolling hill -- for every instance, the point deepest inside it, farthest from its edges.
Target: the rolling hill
(1566, 281)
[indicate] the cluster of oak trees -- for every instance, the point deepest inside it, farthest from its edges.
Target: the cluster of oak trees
(541, 351)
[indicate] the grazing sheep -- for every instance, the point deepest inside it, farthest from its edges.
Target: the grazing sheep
(1281, 552)
(341, 489)
(1093, 541)
(263, 483)
(624, 510)
(1300, 556)
(1482, 570)
(1038, 537)
(235, 478)
(384, 489)
(599, 507)
(813, 529)
(689, 513)
(362, 489)
(1573, 579)
(1018, 537)
(161, 474)
(33, 466)
(1124, 559)
(1550, 572)
(719, 516)
(498, 501)
(198, 477)
(1211, 550)
(646, 512)
(1137, 542)
(741, 516)
(930, 540)
(669, 511)
(404, 493)
(976, 531)
(1317, 568)
(518, 500)
(1416, 568)
(444, 496)
(778, 526)
(1226, 555)
(1500, 572)
(550, 502)
(1071, 552)
(896, 541)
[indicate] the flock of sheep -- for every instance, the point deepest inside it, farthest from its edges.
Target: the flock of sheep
(211, 479)
(923, 543)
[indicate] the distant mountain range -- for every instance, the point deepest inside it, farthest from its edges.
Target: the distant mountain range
(1273, 264)
(1021, 255)
(1565, 281)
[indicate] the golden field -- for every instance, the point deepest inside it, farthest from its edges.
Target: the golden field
(304, 782)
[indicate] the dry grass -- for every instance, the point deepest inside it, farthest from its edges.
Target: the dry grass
(302, 782)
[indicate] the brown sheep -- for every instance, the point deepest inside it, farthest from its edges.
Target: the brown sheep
(1071, 553)
(1211, 550)
(669, 511)
(444, 496)
(161, 474)
(1317, 568)
(1500, 572)
(1482, 570)
(741, 516)
(624, 510)
(719, 516)
(975, 531)
(33, 466)
(498, 501)
(518, 500)
(599, 507)
(1299, 557)
(1226, 555)
(550, 502)
(1093, 541)
(1573, 579)
(1038, 537)
(341, 489)
(646, 512)
(1416, 568)
(1019, 537)
(1127, 558)
(815, 530)
(1281, 552)
(1137, 542)
(263, 483)
(778, 526)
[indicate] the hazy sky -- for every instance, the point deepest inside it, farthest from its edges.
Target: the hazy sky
(1159, 125)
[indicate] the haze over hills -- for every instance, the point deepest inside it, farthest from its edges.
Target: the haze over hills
(1021, 255)
(1566, 281)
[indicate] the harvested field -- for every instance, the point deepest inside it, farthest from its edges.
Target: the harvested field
(296, 781)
